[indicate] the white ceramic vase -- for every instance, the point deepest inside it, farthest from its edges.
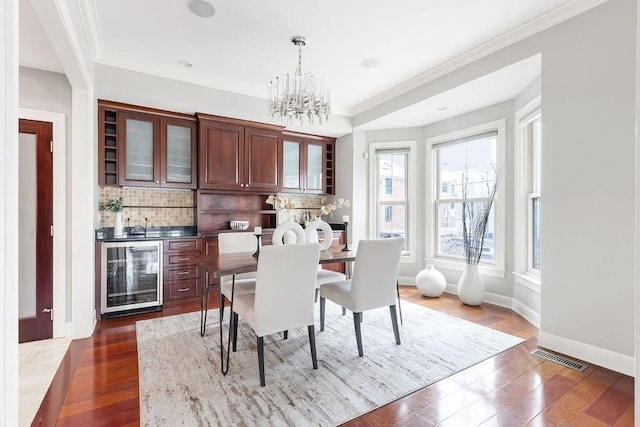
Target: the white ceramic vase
(119, 224)
(430, 282)
(471, 286)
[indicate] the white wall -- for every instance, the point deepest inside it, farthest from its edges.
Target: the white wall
(588, 91)
(9, 212)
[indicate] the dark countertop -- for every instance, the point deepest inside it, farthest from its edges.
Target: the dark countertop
(170, 232)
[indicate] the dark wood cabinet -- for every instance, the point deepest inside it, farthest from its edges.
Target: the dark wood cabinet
(307, 164)
(239, 156)
(182, 278)
(143, 147)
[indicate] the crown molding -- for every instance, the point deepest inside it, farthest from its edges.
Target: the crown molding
(92, 27)
(561, 13)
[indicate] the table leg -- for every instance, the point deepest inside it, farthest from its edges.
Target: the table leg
(204, 303)
(223, 368)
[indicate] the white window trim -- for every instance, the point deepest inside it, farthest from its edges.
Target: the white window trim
(497, 270)
(411, 175)
(522, 273)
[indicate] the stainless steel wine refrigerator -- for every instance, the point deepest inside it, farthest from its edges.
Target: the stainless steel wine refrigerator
(131, 277)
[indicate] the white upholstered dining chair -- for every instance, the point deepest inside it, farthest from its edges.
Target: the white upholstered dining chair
(246, 282)
(373, 284)
(283, 297)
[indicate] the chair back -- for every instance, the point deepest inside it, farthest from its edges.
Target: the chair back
(285, 287)
(229, 243)
(375, 273)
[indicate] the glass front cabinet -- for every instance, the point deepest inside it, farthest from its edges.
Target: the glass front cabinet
(305, 164)
(157, 151)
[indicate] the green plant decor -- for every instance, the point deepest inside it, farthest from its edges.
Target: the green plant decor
(113, 205)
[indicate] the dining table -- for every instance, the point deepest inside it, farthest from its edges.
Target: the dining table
(231, 264)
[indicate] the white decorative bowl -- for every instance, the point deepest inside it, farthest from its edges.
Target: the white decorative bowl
(239, 225)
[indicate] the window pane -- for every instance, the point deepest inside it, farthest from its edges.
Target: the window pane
(537, 154)
(391, 176)
(535, 233)
(391, 222)
(178, 154)
(474, 160)
(139, 151)
(291, 169)
(451, 242)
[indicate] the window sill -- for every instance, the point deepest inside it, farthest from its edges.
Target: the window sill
(529, 281)
(485, 270)
(407, 259)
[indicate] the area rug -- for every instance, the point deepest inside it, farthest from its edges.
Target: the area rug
(181, 382)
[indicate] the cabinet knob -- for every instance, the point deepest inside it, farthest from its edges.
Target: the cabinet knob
(241, 185)
(164, 182)
(157, 182)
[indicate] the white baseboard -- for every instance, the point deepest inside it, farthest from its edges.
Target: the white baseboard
(407, 281)
(596, 355)
(524, 311)
(495, 299)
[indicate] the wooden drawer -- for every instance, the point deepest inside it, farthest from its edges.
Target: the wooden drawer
(179, 259)
(183, 245)
(181, 289)
(181, 273)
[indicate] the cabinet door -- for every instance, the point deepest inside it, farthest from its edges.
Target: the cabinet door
(221, 156)
(139, 157)
(178, 153)
(263, 154)
(314, 168)
(292, 156)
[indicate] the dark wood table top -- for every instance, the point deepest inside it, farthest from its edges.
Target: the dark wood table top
(245, 262)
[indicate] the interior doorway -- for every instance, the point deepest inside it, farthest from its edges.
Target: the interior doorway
(35, 225)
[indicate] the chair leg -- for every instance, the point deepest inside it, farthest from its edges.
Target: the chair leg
(312, 344)
(322, 304)
(356, 323)
(399, 306)
(261, 359)
(234, 326)
(315, 299)
(286, 334)
(394, 321)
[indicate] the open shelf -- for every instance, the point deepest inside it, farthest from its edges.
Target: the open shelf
(216, 210)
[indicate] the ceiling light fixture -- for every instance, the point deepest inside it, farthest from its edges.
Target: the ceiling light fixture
(296, 96)
(370, 63)
(442, 107)
(185, 64)
(202, 8)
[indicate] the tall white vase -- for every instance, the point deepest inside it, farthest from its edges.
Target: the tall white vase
(471, 286)
(119, 224)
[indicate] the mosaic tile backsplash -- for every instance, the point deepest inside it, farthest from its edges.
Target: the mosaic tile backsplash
(159, 207)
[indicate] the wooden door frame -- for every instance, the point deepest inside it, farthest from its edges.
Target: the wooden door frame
(59, 223)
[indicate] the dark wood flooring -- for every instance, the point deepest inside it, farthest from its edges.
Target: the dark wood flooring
(97, 383)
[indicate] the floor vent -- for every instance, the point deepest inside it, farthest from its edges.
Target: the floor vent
(561, 360)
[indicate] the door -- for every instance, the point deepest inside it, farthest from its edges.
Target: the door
(178, 153)
(139, 149)
(221, 156)
(263, 157)
(35, 225)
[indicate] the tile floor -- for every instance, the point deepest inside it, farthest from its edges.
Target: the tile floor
(38, 363)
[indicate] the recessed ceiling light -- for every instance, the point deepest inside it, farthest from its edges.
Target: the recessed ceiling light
(442, 107)
(202, 8)
(370, 63)
(185, 64)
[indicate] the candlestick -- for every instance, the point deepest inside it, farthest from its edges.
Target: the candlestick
(257, 230)
(346, 234)
(257, 252)
(345, 218)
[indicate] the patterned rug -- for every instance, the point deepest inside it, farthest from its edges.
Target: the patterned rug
(181, 382)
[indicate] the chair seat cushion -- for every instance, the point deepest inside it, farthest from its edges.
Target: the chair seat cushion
(327, 276)
(243, 286)
(338, 292)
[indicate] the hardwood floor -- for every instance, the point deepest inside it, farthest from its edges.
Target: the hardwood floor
(97, 383)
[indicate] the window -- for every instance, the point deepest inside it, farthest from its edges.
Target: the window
(531, 133)
(392, 176)
(471, 158)
(388, 185)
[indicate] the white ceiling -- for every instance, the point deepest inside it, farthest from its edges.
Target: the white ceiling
(246, 44)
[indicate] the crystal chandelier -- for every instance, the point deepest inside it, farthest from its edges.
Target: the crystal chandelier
(294, 96)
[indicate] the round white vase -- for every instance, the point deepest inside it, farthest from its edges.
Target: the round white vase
(471, 286)
(119, 224)
(430, 282)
